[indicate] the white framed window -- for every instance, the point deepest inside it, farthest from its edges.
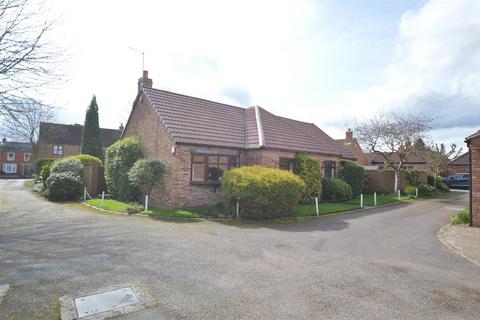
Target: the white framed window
(11, 156)
(10, 167)
(26, 157)
(57, 149)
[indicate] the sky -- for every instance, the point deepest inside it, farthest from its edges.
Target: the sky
(333, 63)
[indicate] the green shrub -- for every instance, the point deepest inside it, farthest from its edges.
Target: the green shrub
(410, 190)
(64, 186)
(425, 190)
(40, 162)
(45, 172)
(310, 171)
(442, 187)
(146, 173)
(135, 207)
(431, 180)
(67, 165)
(262, 192)
(413, 177)
(87, 160)
(336, 190)
(353, 174)
(463, 217)
(119, 159)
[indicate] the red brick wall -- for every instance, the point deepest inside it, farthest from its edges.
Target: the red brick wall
(475, 149)
(457, 169)
(45, 150)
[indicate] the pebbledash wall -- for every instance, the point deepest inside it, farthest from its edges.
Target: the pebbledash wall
(178, 191)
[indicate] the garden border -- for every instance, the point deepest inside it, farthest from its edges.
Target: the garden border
(440, 236)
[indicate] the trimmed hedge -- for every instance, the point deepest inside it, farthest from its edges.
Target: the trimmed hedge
(64, 186)
(67, 165)
(87, 160)
(262, 192)
(353, 174)
(146, 173)
(336, 190)
(119, 159)
(410, 190)
(413, 177)
(309, 170)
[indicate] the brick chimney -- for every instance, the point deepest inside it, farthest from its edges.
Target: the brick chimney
(349, 135)
(144, 81)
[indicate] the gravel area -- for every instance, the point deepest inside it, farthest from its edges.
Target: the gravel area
(464, 240)
(383, 263)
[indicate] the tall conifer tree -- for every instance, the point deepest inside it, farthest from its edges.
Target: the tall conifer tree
(91, 136)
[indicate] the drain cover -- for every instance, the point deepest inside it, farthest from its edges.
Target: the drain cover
(105, 301)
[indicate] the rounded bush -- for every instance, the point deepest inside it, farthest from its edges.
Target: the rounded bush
(442, 186)
(87, 160)
(45, 172)
(64, 186)
(67, 165)
(309, 170)
(262, 192)
(413, 177)
(353, 174)
(119, 159)
(336, 190)
(40, 162)
(410, 190)
(425, 190)
(146, 173)
(431, 180)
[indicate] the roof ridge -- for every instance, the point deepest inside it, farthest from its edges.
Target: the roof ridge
(188, 96)
(258, 118)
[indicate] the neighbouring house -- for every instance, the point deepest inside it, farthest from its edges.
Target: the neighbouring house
(460, 164)
(353, 145)
(473, 143)
(58, 140)
(200, 139)
(376, 161)
(16, 159)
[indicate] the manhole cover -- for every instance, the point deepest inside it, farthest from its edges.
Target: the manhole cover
(105, 301)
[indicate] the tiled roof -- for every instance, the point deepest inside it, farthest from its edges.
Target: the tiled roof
(56, 133)
(197, 121)
(13, 146)
(375, 158)
(460, 160)
(475, 135)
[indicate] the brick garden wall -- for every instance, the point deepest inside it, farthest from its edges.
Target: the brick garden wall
(384, 181)
(475, 150)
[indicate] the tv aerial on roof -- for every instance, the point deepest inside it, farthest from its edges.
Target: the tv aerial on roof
(143, 56)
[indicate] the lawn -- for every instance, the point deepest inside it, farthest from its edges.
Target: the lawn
(174, 213)
(305, 210)
(109, 204)
(381, 199)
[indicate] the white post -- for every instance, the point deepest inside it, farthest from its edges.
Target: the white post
(238, 209)
(146, 202)
(85, 194)
(316, 206)
(375, 199)
(361, 200)
(416, 193)
(398, 195)
(103, 198)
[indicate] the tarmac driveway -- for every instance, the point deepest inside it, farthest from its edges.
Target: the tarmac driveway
(384, 263)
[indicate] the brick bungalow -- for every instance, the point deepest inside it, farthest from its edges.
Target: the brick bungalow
(473, 143)
(16, 159)
(460, 164)
(350, 142)
(59, 140)
(200, 139)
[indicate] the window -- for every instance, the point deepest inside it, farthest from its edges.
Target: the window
(10, 167)
(209, 169)
(329, 169)
(287, 164)
(11, 156)
(58, 149)
(26, 157)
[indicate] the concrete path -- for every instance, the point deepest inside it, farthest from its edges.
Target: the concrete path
(385, 263)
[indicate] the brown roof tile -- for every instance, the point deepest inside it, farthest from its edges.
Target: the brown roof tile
(198, 121)
(460, 160)
(375, 158)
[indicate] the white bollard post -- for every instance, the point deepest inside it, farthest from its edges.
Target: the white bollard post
(361, 200)
(316, 206)
(146, 202)
(238, 209)
(398, 195)
(85, 194)
(103, 198)
(416, 193)
(375, 199)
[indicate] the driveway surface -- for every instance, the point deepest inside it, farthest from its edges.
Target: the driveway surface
(384, 263)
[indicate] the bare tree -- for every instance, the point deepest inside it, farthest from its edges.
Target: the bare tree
(390, 135)
(27, 60)
(438, 155)
(23, 123)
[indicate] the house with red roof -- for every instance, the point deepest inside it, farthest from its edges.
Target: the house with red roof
(200, 139)
(460, 164)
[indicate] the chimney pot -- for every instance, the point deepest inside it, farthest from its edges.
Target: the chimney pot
(144, 81)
